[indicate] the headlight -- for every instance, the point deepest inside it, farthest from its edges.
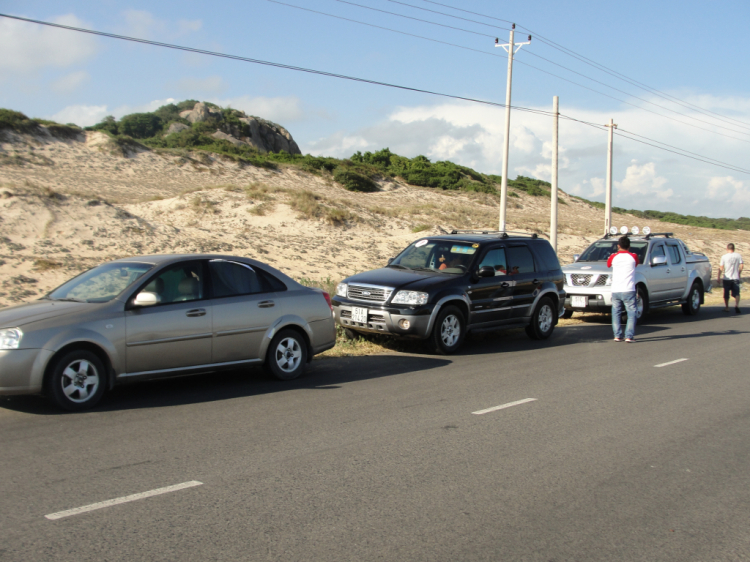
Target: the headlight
(10, 338)
(341, 290)
(609, 280)
(410, 297)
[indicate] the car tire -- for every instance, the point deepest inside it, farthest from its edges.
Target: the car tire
(77, 381)
(640, 296)
(542, 321)
(568, 314)
(351, 335)
(693, 304)
(449, 330)
(287, 355)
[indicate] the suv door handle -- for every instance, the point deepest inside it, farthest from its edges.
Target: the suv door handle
(196, 312)
(266, 304)
(668, 271)
(505, 284)
(535, 281)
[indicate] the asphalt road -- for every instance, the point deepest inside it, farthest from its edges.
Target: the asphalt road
(382, 458)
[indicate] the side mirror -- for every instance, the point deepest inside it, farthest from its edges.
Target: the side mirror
(390, 260)
(576, 256)
(486, 271)
(658, 260)
(146, 299)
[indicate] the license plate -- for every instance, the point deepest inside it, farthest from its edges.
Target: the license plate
(579, 302)
(359, 315)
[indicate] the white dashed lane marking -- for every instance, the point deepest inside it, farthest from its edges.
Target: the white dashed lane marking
(124, 499)
(672, 362)
(502, 407)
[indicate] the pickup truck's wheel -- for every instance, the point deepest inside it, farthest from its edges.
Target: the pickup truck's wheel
(287, 355)
(693, 304)
(641, 307)
(449, 330)
(542, 321)
(568, 313)
(77, 381)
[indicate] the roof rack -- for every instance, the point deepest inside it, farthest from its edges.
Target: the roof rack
(665, 234)
(499, 233)
(646, 236)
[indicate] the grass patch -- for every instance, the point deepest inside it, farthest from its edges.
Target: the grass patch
(421, 228)
(201, 205)
(261, 209)
(43, 264)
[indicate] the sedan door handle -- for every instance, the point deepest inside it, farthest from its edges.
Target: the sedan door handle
(266, 304)
(505, 284)
(196, 312)
(535, 281)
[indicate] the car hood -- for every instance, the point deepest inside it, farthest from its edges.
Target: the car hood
(401, 278)
(586, 267)
(22, 314)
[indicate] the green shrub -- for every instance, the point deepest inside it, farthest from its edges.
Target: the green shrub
(17, 121)
(353, 181)
(140, 125)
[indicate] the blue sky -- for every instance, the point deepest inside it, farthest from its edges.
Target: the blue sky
(678, 48)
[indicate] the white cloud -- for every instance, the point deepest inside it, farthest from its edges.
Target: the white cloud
(188, 26)
(28, 47)
(197, 86)
(82, 115)
(728, 190)
(597, 187)
(143, 25)
(70, 82)
(642, 180)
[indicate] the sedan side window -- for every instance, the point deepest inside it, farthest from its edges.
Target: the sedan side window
(495, 258)
(520, 260)
(230, 279)
(180, 283)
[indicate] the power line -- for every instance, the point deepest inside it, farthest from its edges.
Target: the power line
(365, 81)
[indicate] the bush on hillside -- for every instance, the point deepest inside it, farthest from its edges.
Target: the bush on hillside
(17, 121)
(353, 181)
(140, 125)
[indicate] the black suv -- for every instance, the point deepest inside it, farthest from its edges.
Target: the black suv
(441, 287)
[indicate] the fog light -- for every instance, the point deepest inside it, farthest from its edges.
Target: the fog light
(404, 324)
(599, 297)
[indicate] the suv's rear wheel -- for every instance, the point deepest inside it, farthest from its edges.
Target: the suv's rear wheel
(77, 381)
(693, 304)
(449, 330)
(542, 321)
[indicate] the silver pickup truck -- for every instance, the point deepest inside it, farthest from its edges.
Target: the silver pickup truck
(669, 274)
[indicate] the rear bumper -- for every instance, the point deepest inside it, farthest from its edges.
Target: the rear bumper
(385, 320)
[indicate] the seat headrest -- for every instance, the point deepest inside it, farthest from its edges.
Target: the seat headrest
(188, 286)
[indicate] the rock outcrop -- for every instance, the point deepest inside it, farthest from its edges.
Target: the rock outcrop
(240, 129)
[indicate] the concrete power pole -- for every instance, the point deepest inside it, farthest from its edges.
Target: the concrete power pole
(553, 204)
(511, 48)
(608, 196)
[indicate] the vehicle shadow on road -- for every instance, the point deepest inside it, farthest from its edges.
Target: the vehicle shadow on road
(325, 374)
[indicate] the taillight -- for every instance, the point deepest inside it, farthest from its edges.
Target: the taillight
(328, 300)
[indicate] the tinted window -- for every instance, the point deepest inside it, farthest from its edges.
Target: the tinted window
(657, 251)
(520, 260)
(229, 279)
(179, 283)
(270, 281)
(674, 254)
(496, 260)
(547, 255)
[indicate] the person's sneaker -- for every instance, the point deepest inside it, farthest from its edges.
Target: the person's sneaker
(618, 339)
(629, 340)
(726, 309)
(737, 309)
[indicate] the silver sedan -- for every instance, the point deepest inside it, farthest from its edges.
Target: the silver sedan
(157, 316)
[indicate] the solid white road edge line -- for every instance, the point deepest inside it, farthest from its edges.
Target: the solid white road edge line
(508, 405)
(124, 499)
(672, 362)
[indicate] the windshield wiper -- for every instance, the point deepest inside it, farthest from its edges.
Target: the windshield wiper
(398, 265)
(423, 269)
(71, 299)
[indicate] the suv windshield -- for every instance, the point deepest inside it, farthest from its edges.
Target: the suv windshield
(100, 284)
(439, 255)
(602, 249)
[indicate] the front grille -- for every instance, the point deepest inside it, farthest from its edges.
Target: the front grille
(580, 280)
(369, 294)
(601, 281)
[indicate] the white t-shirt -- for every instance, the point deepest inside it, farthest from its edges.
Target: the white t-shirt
(731, 264)
(623, 271)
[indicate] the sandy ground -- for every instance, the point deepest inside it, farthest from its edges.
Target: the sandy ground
(66, 206)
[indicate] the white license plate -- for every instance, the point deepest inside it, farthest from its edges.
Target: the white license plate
(579, 302)
(359, 315)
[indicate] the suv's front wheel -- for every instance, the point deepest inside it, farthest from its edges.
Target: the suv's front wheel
(449, 330)
(542, 321)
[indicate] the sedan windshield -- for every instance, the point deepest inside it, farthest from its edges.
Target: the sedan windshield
(440, 256)
(100, 284)
(602, 249)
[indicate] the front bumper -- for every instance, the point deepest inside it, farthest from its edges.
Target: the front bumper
(597, 299)
(382, 319)
(21, 371)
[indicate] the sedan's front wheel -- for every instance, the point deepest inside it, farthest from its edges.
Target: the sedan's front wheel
(287, 355)
(77, 381)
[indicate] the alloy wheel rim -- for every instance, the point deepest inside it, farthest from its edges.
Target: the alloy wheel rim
(638, 306)
(80, 381)
(450, 330)
(288, 354)
(696, 300)
(545, 318)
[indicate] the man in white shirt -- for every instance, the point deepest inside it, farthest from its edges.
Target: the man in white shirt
(729, 275)
(623, 265)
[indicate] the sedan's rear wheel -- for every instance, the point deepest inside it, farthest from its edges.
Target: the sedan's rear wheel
(287, 355)
(77, 381)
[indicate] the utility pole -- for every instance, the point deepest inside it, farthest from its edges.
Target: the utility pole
(553, 204)
(608, 198)
(511, 48)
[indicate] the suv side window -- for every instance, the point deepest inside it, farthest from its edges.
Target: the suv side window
(495, 258)
(674, 254)
(547, 256)
(520, 260)
(657, 250)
